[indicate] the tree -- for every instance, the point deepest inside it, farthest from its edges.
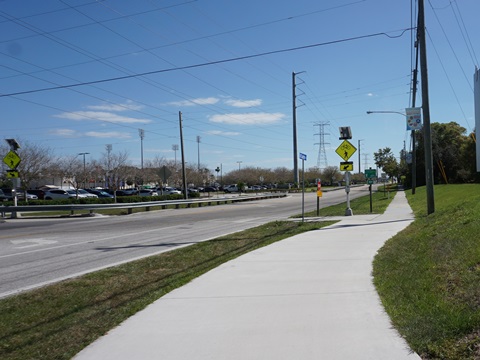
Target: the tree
(331, 175)
(453, 154)
(72, 171)
(119, 169)
(35, 162)
(385, 160)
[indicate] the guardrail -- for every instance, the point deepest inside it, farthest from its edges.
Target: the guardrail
(14, 210)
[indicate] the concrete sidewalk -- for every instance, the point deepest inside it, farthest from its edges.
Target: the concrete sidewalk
(307, 297)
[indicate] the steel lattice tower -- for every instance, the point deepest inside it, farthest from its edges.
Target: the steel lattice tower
(322, 154)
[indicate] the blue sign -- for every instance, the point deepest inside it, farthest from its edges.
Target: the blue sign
(303, 156)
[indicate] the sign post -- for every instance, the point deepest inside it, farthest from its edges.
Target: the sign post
(12, 160)
(319, 195)
(303, 157)
(345, 151)
(370, 174)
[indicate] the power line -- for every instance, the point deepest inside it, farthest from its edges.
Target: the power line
(402, 32)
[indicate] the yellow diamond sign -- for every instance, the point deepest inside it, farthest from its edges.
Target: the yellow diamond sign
(346, 150)
(12, 159)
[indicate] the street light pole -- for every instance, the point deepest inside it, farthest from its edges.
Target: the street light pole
(84, 168)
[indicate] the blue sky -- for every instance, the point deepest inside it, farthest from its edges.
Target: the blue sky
(227, 66)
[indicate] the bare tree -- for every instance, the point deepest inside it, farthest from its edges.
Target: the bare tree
(35, 162)
(119, 170)
(330, 175)
(72, 171)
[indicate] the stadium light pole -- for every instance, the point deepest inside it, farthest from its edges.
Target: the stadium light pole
(84, 168)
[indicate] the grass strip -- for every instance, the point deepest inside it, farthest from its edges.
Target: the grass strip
(360, 206)
(428, 276)
(57, 321)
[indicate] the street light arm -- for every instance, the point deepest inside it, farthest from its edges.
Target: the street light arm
(385, 112)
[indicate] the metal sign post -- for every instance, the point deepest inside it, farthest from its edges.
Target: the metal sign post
(319, 195)
(345, 151)
(303, 157)
(370, 174)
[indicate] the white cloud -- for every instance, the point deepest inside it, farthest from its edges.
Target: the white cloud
(261, 118)
(101, 116)
(129, 105)
(197, 101)
(243, 103)
(222, 133)
(109, 134)
(63, 132)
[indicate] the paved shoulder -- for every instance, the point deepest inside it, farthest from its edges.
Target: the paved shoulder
(307, 297)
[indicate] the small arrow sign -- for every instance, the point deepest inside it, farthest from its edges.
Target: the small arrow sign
(346, 166)
(12, 174)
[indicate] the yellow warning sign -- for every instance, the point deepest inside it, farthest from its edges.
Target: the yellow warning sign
(12, 159)
(12, 174)
(346, 150)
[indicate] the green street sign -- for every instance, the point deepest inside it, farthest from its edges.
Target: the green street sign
(370, 173)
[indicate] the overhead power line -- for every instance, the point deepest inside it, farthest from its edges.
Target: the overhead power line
(402, 32)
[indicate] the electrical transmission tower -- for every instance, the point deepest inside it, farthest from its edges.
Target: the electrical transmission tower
(322, 154)
(365, 161)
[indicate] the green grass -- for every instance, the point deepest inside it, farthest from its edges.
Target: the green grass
(361, 205)
(428, 276)
(57, 321)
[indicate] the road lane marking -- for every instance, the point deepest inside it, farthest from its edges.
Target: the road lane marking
(32, 243)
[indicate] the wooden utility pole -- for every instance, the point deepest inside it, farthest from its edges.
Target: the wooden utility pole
(295, 150)
(427, 136)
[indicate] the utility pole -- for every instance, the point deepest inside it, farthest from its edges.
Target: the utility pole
(426, 110)
(184, 175)
(414, 97)
(294, 111)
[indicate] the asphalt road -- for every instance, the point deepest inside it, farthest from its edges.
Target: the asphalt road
(35, 252)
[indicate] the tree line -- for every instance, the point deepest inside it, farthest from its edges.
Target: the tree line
(454, 158)
(453, 152)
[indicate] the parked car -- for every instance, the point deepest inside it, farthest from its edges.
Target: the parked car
(168, 191)
(132, 191)
(147, 192)
(118, 193)
(4, 197)
(100, 193)
(7, 193)
(210, 189)
(30, 196)
(76, 194)
(55, 194)
(40, 193)
(231, 188)
(87, 194)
